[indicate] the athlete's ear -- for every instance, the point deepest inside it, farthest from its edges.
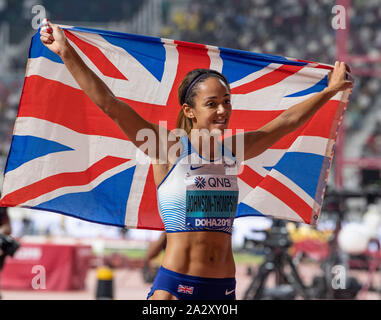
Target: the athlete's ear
(188, 110)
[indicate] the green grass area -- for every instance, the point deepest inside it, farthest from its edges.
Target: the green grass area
(239, 257)
(129, 253)
(247, 258)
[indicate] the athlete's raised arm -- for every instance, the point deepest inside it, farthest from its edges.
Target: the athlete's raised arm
(256, 142)
(120, 112)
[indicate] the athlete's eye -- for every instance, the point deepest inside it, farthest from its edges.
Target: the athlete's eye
(211, 104)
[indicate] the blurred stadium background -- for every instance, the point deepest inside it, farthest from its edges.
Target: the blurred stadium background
(292, 28)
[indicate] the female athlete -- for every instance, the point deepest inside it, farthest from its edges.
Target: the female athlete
(198, 261)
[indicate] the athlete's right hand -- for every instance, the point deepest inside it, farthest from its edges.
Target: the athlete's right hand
(54, 38)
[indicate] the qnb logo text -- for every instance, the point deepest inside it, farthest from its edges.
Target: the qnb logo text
(219, 182)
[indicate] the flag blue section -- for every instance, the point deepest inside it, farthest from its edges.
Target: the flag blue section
(315, 88)
(303, 169)
(238, 64)
(235, 69)
(150, 54)
(85, 205)
(245, 210)
(26, 148)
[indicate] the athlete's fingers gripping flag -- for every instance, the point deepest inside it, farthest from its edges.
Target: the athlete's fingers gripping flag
(67, 156)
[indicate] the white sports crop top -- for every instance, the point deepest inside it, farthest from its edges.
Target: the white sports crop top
(199, 195)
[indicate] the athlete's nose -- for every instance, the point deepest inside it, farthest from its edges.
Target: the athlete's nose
(221, 109)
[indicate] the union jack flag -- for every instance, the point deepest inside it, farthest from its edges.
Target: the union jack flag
(185, 289)
(67, 156)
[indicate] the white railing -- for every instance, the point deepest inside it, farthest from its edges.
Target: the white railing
(4, 45)
(148, 21)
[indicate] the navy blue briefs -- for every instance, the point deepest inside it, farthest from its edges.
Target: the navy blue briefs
(186, 287)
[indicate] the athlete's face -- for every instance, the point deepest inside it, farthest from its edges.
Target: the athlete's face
(212, 108)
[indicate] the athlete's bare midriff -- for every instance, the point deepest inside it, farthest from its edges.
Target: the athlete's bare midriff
(203, 254)
(198, 253)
